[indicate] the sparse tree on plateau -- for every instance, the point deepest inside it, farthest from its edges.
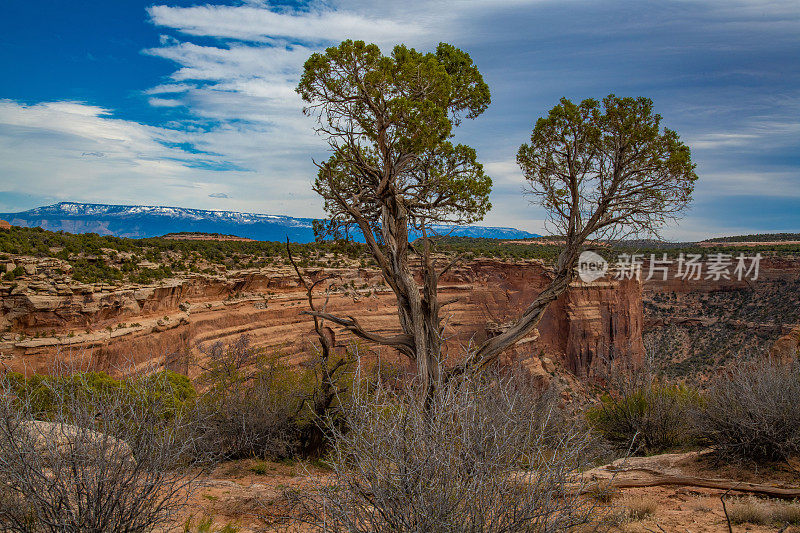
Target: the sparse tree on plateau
(388, 121)
(394, 172)
(602, 171)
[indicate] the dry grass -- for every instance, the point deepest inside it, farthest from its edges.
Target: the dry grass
(763, 512)
(788, 513)
(602, 492)
(638, 507)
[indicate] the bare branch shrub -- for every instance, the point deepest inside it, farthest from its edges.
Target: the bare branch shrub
(93, 459)
(485, 455)
(251, 403)
(751, 412)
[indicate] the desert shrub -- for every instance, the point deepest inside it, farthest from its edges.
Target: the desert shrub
(638, 508)
(483, 455)
(86, 462)
(251, 403)
(163, 392)
(751, 510)
(649, 418)
(751, 412)
(14, 274)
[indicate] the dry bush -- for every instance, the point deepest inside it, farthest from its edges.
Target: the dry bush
(787, 513)
(250, 404)
(96, 460)
(254, 405)
(747, 512)
(763, 511)
(751, 412)
(485, 454)
(638, 508)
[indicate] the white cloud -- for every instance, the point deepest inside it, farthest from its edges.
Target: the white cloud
(70, 150)
(164, 102)
(253, 23)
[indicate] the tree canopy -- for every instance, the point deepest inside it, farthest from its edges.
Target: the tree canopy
(607, 169)
(389, 121)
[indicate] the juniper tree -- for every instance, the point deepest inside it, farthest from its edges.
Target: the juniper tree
(602, 171)
(394, 172)
(394, 169)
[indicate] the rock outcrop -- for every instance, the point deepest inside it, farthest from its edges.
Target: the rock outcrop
(170, 323)
(55, 443)
(787, 348)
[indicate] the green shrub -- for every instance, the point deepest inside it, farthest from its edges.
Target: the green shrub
(14, 274)
(166, 391)
(650, 418)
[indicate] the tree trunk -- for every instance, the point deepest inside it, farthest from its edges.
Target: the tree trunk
(418, 311)
(490, 350)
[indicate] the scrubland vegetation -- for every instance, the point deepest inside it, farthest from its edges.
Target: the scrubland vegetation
(747, 412)
(469, 447)
(82, 451)
(98, 258)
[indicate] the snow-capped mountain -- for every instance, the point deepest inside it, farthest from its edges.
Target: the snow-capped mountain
(138, 221)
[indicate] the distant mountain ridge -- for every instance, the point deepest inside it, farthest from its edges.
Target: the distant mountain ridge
(138, 221)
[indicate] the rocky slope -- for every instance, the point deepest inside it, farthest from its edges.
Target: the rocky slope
(48, 316)
(694, 326)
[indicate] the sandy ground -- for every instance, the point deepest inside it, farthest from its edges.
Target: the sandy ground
(242, 493)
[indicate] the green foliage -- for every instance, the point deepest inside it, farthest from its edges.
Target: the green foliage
(166, 391)
(14, 274)
(608, 165)
(95, 258)
(651, 418)
(388, 119)
(759, 237)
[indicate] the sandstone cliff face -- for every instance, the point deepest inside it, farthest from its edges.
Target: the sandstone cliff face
(694, 326)
(168, 324)
(589, 324)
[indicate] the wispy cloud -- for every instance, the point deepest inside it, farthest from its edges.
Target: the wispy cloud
(74, 150)
(722, 72)
(251, 23)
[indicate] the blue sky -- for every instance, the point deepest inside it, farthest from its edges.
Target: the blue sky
(192, 104)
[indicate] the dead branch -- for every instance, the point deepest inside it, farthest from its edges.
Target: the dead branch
(402, 342)
(660, 479)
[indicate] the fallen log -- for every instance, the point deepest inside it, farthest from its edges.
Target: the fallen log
(667, 470)
(662, 479)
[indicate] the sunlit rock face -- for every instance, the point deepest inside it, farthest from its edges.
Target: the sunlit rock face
(169, 323)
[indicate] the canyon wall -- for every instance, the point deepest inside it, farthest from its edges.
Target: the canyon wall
(171, 323)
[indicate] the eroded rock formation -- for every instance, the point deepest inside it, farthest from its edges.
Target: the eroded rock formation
(169, 323)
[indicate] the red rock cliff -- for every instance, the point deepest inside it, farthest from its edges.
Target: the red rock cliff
(161, 324)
